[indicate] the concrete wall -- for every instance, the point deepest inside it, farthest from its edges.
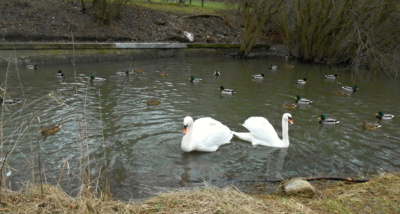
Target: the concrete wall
(51, 53)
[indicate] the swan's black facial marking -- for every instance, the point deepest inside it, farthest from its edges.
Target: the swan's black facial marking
(185, 129)
(290, 120)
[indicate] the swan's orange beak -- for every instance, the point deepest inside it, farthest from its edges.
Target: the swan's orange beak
(291, 121)
(184, 130)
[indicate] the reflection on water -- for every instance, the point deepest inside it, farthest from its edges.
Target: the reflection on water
(112, 121)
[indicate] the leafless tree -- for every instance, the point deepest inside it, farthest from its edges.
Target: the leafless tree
(255, 13)
(361, 33)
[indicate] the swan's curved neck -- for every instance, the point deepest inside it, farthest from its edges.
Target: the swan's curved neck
(186, 141)
(285, 131)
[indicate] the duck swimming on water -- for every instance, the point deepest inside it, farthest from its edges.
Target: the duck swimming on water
(329, 121)
(93, 78)
(224, 90)
(49, 130)
(332, 76)
(258, 76)
(300, 100)
(301, 81)
(350, 89)
(383, 116)
(9, 101)
(195, 79)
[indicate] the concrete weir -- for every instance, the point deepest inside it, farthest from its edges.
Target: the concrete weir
(57, 52)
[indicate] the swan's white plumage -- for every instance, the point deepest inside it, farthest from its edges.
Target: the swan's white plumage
(204, 135)
(263, 133)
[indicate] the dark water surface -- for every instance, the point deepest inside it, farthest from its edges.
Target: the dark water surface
(111, 121)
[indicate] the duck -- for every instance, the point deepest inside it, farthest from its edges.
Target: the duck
(9, 101)
(288, 66)
(301, 81)
(370, 126)
(204, 134)
(153, 102)
(123, 73)
(60, 74)
(263, 133)
(332, 76)
(137, 70)
(273, 67)
(224, 90)
(93, 78)
(50, 130)
(341, 93)
(33, 67)
(383, 116)
(300, 100)
(194, 79)
(350, 89)
(289, 105)
(217, 73)
(163, 74)
(258, 76)
(330, 121)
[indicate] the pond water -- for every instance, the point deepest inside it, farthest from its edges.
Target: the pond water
(111, 121)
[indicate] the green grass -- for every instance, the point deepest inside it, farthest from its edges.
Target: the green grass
(212, 8)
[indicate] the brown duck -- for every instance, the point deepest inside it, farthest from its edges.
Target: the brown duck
(289, 106)
(370, 126)
(152, 102)
(49, 130)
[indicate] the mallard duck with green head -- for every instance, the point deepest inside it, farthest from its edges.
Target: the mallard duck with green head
(33, 67)
(9, 101)
(350, 89)
(60, 74)
(383, 116)
(301, 81)
(332, 76)
(329, 121)
(273, 67)
(123, 73)
(258, 76)
(93, 78)
(224, 90)
(300, 100)
(195, 79)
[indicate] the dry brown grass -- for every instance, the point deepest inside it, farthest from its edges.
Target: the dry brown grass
(379, 195)
(29, 200)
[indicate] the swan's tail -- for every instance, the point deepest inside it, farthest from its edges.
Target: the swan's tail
(246, 136)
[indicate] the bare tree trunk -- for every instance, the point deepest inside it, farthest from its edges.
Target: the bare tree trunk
(83, 8)
(256, 13)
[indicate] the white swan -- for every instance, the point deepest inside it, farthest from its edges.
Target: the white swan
(263, 133)
(204, 135)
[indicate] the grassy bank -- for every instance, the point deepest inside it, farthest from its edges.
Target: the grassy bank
(209, 7)
(379, 195)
